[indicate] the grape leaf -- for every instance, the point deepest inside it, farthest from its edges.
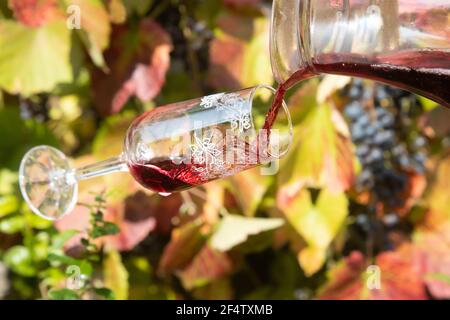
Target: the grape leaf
(136, 221)
(207, 265)
(8, 204)
(399, 279)
(19, 259)
(140, 7)
(437, 198)
(133, 216)
(63, 294)
(221, 289)
(34, 60)
(249, 188)
(35, 13)
(95, 27)
(322, 153)
(435, 245)
(22, 135)
(318, 223)
(186, 242)
(138, 59)
(117, 11)
(234, 230)
(435, 122)
(115, 275)
(239, 53)
(105, 293)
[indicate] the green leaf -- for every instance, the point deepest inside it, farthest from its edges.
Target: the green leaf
(139, 7)
(427, 103)
(221, 289)
(8, 204)
(234, 230)
(442, 277)
(62, 258)
(8, 181)
(22, 135)
(104, 229)
(34, 60)
(13, 224)
(63, 294)
(115, 275)
(18, 259)
(322, 153)
(105, 293)
(86, 268)
(318, 223)
(95, 28)
(84, 265)
(249, 188)
(33, 220)
(61, 238)
(40, 246)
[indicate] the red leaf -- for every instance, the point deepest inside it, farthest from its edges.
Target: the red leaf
(34, 13)
(239, 53)
(345, 279)
(401, 275)
(185, 244)
(400, 271)
(134, 216)
(435, 244)
(208, 265)
(135, 221)
(138, 60)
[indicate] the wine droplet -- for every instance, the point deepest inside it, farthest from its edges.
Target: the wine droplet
(165, 194)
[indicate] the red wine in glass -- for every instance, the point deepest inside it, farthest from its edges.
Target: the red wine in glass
(165, 176)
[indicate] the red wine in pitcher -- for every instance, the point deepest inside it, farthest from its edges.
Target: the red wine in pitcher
(425, 72)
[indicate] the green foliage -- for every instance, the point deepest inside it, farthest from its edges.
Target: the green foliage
(32, 61)
(234, 230)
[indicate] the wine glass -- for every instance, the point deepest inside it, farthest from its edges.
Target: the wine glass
(168, 149)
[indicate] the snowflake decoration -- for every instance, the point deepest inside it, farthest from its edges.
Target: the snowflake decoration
(143, 152)
(211, 101)
(234, 106)
(239, 119)
(207, 156)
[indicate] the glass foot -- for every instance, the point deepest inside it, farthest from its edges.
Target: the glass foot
(47, 182)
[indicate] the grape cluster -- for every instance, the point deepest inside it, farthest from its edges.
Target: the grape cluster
(190, 35)
(35, 108)
(383, 124)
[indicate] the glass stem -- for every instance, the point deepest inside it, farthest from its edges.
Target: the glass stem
(117, 164)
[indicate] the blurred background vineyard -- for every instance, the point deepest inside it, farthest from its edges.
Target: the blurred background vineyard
(366, 182)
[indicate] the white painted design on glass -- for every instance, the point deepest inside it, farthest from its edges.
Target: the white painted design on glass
(236, 108)
(207, 156)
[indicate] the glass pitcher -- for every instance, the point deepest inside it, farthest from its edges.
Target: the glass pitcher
(405, 43)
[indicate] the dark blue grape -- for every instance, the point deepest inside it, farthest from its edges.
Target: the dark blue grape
(382, 120)
(354, 110)
(384, 139)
